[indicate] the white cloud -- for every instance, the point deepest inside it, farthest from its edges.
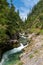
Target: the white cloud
(24, 12)
(28, 4)
(24, 7)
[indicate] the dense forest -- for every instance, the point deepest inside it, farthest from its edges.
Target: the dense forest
(35, 18)
(11, 23)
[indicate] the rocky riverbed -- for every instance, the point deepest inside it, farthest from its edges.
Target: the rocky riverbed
(11, 57)
(33, 54)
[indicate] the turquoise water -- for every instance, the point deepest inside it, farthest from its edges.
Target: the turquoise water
(23, 40)
(12, 59)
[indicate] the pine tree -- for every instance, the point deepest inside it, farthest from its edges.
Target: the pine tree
(35, 18)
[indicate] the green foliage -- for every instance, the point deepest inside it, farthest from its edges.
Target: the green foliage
(35, 30)
(20, 63)
(31, 56)
(3, 37)
(36, 51)
(35, 18)
(10, 21)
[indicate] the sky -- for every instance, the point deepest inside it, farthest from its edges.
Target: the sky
(24, 6)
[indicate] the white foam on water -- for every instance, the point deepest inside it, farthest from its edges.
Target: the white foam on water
(15, 50)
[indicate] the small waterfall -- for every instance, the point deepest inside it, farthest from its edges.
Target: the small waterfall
(15, 50)
(23, 37)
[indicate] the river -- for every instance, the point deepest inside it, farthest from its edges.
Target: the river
(11, 57)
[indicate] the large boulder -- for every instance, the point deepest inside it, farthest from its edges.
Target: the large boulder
(15, 36)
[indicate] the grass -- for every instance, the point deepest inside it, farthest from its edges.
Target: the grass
(31, 56)
(41, 31)
(20, 63)
(36, 30)
(36, 51)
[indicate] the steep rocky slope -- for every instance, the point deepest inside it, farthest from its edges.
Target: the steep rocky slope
(33, 54)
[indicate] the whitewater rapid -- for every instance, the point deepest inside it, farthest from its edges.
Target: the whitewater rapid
(14, 50)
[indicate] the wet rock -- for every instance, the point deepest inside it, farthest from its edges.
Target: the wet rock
(14, 43)
(10, 44)
(24, 44)
(15, 36)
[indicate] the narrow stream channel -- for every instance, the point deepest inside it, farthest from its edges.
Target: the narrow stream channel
(11, 57)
